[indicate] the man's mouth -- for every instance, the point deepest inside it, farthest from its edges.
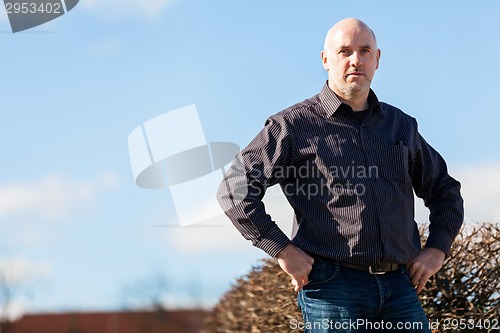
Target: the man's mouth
(355, 74)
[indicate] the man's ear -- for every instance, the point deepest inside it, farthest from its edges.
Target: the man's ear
(378, 57)
(324, 60)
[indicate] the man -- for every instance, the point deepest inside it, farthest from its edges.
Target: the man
(348, 165)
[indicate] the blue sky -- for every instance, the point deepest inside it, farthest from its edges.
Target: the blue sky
(76, 230)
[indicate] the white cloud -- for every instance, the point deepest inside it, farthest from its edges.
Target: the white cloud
(213, 235)
(224, 237)
(17, 269)
(105, 48)
(53, 196)
(480, 191)
(149, 9)
(32, 237)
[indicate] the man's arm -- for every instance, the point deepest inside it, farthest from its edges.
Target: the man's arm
(245, 183)
(240, 195)
(441, 194)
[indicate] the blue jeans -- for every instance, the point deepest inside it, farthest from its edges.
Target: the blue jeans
(339, 299)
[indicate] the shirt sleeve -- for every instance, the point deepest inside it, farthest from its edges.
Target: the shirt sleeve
(244, 185)
(440, 192)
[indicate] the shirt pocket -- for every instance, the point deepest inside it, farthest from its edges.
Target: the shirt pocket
(393, 162)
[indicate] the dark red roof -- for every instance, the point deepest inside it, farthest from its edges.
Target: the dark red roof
(167, 321)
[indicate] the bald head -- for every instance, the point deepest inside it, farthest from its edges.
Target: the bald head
(346, 26)
(351, 57)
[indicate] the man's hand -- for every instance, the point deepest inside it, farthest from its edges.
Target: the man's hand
(297, 264)
(426, 264)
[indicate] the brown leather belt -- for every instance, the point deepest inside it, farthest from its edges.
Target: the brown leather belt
(380, 268)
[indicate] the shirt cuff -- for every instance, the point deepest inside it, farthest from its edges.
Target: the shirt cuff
(273, 242)
(440, 240)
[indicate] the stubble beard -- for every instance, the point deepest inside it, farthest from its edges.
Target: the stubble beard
(351, 91)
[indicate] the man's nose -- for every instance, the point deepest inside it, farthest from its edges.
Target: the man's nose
(355, 60)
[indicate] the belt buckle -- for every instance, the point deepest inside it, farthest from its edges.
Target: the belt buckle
(375, 273)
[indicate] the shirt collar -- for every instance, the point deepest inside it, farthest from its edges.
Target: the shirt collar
(331, 102)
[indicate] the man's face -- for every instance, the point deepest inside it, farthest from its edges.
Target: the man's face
(351, 58)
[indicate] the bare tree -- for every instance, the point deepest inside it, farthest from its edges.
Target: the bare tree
(11, 288)
(154, 294)
(149, 293)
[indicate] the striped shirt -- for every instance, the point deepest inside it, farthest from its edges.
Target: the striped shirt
(350, 183)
